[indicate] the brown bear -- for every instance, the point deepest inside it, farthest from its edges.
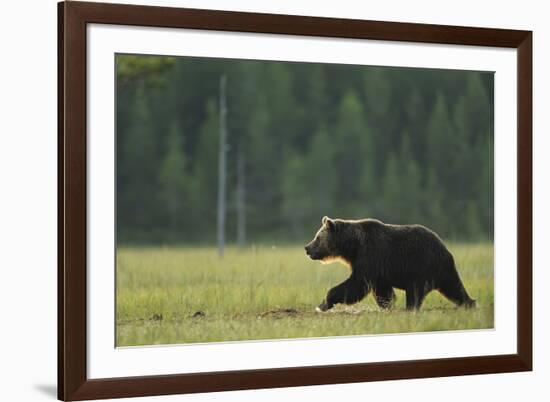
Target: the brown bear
(382, 257)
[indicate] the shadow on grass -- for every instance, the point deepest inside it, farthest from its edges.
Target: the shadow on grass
(293, 312)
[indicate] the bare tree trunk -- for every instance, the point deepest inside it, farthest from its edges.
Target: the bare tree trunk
(222, 168)
(241, 196)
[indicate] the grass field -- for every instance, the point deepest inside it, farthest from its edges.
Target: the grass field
(185, 295)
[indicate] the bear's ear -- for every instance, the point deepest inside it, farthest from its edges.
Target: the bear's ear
(329, 223)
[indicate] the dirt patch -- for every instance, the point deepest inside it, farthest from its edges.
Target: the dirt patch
(350, 310)
(280, 313)
(308, 312)
(199, 314)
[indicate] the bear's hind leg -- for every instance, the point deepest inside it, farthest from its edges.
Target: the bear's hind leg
(350, 291)
(384, 296)
(455, 292)
(450, 286)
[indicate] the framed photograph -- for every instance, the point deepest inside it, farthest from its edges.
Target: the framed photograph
(253, 200)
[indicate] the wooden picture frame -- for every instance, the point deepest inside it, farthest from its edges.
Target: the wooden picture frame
(73, 382)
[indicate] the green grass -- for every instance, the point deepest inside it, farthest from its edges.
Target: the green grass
(184, 295)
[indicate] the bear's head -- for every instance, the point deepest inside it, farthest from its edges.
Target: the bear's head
(324, 244)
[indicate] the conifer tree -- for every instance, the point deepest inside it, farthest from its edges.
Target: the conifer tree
(173, 181)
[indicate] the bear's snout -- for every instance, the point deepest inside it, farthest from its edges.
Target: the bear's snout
(309, 250)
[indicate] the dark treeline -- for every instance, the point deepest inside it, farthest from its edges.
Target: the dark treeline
(399, 144)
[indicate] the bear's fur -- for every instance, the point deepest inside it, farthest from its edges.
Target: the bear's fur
(383, 257)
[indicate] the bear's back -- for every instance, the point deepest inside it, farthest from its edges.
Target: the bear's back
(407, 239)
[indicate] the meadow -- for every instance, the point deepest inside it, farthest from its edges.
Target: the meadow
(168, 295)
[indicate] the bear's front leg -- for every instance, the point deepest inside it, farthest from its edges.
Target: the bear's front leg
(350, 291)
(384, 296)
